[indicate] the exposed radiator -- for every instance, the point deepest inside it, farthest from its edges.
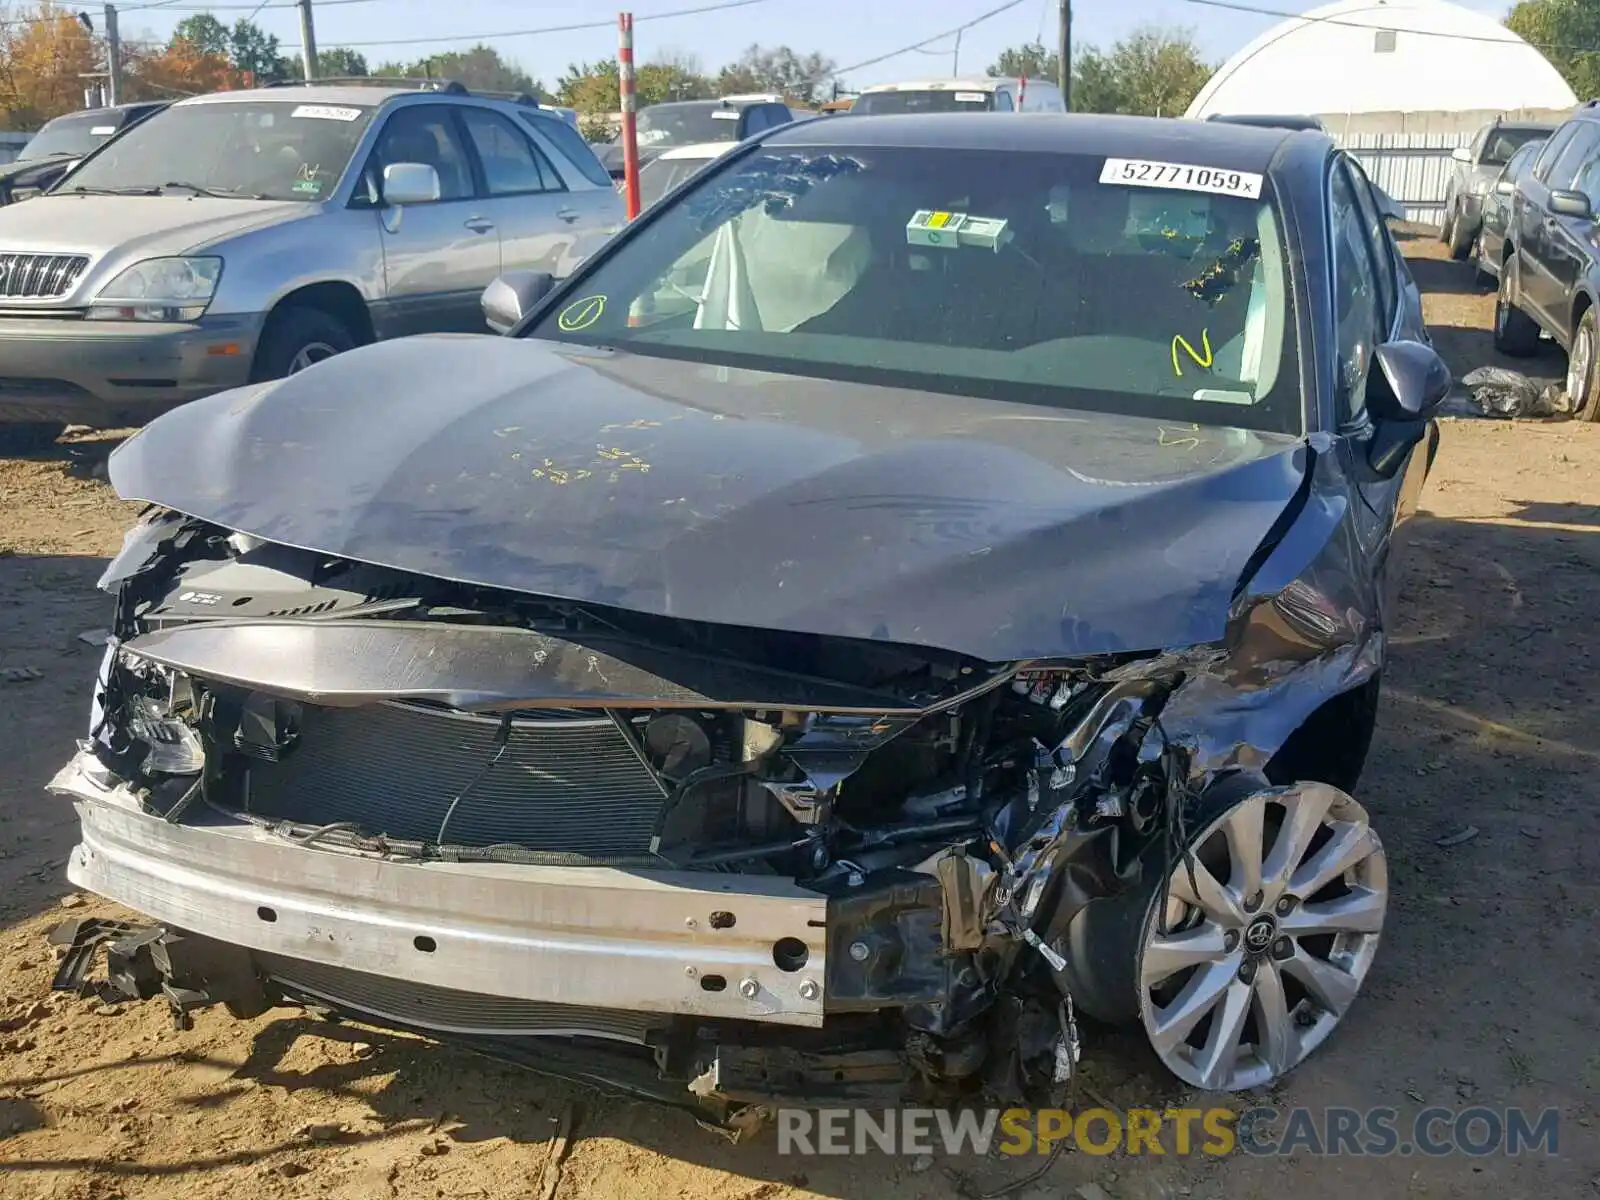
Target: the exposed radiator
(446, 1010)
(565, 782)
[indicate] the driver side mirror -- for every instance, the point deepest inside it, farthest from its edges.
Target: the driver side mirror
(410, 183)
(1565, 202)
(1408, 383)
(512, 296)
(1462, 154)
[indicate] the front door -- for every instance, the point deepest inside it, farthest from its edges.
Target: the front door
(439, 257)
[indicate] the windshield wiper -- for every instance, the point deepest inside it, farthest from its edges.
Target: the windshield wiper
(114, 191)
(201, 189)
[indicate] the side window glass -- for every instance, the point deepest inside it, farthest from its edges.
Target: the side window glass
(511, 164)
(426, 134)
(1573, 155)
(1002, 102)
(755, 119)
(778, 114)
(1355, 290)
(1378, 243)
(1588, 180)
(569, 142)
(1552, 148)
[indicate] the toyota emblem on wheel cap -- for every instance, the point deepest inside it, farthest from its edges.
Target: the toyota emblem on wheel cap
(1259, 935)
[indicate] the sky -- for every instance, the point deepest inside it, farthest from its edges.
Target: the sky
(839, 29)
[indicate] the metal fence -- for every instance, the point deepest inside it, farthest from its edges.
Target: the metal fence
(1413, 168)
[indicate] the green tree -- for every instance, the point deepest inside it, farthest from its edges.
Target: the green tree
(1152, 72)
(205, 33)
(1028, 61)
(253, 49)
(341, 62)
(480, 68)
(801, 78)
(1556, 26)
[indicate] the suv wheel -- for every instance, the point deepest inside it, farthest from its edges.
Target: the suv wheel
(1515, 332)
(1459, 239)
(1582, 385)
(1480, 277)
(297, 338)
(1445, 230)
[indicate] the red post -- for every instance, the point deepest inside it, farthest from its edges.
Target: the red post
(630, 123)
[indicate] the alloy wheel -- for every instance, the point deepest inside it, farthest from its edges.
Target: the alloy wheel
(309, 355)
(1579, 363)
(1261, 940)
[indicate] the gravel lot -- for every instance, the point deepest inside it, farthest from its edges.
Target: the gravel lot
(1481, 995)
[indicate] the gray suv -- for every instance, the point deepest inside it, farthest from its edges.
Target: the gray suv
(245, 235)
(1474, 168)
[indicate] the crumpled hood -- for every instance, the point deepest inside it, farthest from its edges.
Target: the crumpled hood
(136, 226)
(1003, 531)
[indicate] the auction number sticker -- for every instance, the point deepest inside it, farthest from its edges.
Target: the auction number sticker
(326, 112)
(1185, 177)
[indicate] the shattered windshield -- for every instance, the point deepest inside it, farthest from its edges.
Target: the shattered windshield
(1152, 289)
(266, 149)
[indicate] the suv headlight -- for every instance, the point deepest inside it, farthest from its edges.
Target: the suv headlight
(159, 289)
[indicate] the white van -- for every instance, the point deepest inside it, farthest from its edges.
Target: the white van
(961, 95)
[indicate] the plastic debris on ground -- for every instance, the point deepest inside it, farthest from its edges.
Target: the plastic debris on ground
(1498, 392)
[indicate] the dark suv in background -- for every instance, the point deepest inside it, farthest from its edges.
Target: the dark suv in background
(696, 123)
(1475, 168)
(64, 142)
(1549, 262)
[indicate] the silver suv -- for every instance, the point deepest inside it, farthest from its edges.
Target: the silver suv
(245, 235)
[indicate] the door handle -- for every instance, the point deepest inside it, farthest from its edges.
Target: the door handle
(569, 215)
(479, 225)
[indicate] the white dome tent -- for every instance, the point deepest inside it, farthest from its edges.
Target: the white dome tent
(1421, 64)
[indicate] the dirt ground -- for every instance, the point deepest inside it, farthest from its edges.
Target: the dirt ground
(1484, 992)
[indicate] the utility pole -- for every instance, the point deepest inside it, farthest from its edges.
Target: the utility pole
(955, 58)
(113, 57)
(1065, 69)
(308, 41)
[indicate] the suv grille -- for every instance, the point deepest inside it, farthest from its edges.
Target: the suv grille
(32, 275)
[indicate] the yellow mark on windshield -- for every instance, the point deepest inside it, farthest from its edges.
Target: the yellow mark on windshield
(581, 314)
(1183, 343)
(1165, 436)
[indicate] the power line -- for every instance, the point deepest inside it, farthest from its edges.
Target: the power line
(1511, 38)
(938, 37)
(513, 33)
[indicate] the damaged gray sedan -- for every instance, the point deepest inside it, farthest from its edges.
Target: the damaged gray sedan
(926, 580)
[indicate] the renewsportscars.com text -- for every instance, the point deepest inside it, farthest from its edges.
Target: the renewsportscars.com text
(1215, 1132)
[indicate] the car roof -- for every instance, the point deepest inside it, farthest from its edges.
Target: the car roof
(1270, 120)
(359, 97)
(88, 114)
(1203, 143)
(939, 85)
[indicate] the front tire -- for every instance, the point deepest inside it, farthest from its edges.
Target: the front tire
(297, 338)
(1583, 385)
(1256, 945)
(1515, 332)
(1460, 240)
(1480, 277)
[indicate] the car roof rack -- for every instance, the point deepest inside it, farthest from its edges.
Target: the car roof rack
(450, 87)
